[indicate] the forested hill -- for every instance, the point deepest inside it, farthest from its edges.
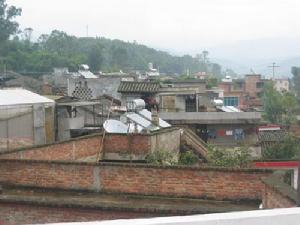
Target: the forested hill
(62, 50)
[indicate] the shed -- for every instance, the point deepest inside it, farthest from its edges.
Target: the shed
(26, 118)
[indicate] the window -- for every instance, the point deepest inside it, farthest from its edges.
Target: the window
(259, 85)
(190, 104)
(231, 101)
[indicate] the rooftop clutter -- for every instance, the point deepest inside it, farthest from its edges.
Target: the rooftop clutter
(136, 119)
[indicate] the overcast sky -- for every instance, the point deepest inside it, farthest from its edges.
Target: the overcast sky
(174, 25)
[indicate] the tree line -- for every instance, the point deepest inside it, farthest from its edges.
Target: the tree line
(59, 49)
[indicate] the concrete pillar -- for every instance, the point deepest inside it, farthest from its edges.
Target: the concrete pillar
(39, 124)
(197, 103)
(154, 117)
(295, 178)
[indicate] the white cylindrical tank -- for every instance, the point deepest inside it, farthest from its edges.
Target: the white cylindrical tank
(136, 105)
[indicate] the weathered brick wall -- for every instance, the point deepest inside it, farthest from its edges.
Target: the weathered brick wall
(123, 143)
(69, 150)
(115, 147)
(274, 198)
(14, 214)
(210, 183)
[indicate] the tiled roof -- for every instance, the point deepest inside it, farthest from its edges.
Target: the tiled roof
(271, 136)
(134, 87)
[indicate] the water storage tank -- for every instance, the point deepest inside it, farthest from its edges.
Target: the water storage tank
(135, 105)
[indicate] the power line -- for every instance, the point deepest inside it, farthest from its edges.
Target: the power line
(273, 68)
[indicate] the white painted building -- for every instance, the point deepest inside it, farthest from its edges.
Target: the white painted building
(281, 84)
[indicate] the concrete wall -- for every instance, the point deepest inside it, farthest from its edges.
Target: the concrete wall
(249, 131)
(15, 214)
(180, 103)
(105, 84)
(169, 141)
(193, 182)
(277, 194)
(211, 117)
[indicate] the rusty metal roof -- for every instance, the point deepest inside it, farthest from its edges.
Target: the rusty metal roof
(138, 87)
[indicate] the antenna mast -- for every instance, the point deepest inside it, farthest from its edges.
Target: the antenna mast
(273, 68)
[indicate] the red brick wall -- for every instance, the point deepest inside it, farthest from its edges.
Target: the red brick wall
(120, 143)
(48, 175)
(14, 214)
(272, 198)
(250, 84)
(84, 147)
(200, 183)
(69, 150)
(137, 179)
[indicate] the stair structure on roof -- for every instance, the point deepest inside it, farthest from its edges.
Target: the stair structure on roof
(193, 141)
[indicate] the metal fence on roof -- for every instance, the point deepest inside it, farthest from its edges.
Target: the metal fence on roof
(16, 127)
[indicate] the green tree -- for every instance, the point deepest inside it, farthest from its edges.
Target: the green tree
(211, 81)
(296, 80)
(280, 108)
(8, 26)
(288, 148)
(95, 58)
(273, 107)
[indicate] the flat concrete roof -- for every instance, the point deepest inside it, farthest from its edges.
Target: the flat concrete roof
(211, 117)
(120, 202)
(78, 104)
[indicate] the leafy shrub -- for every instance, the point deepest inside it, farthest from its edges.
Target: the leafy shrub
(237, 157)
(288, 148)
(162, 157)
(188, 158)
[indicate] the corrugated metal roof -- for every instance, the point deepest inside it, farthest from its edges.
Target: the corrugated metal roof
(145, 87)
(9, 97)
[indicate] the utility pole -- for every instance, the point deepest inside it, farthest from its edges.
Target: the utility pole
(87, 30)
(273, 68)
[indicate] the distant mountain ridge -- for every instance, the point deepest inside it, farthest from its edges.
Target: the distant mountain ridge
(256, 55)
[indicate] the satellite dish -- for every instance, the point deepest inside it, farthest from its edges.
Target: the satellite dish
(115, 126)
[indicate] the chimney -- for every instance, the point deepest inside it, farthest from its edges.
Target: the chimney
(154, 117)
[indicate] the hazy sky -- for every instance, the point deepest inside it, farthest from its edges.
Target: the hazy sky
(175, 25)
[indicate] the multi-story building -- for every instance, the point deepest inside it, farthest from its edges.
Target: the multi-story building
(243, 93)
(281, 84)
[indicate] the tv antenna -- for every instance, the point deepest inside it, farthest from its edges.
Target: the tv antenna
(273, 68)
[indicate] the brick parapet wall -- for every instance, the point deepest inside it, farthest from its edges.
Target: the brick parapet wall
(277, 194)
(68, 150)
(82, 147)
(135, 144)
(209, 183)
